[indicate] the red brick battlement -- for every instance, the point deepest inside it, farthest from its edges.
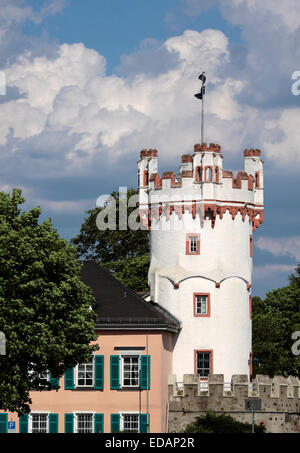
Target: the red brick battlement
(148, 153)
(203, 147)
(252, 152)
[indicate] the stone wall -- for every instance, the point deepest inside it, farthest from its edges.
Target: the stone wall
(280, 400)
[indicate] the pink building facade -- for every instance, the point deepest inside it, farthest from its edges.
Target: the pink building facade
(124, 386)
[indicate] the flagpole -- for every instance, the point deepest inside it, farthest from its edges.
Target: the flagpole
(202, 117)
(200, 96)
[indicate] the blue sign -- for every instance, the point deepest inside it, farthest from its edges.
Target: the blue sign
(11, 425)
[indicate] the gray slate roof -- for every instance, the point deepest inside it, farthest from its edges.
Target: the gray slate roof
(119, 307)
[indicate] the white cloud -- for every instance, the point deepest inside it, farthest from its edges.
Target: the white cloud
(271, 276)
(42, 79)
(65, 206)
(287, 149)
(72, 94)
(280, 246)
(71, 113)
(246, 10)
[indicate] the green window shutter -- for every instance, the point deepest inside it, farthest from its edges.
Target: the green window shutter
(114, 372)
(69, 423)
(145, 372)
(143, 423)
(115, 423)
(99, 423)
(23, 424)
(69, 379)
(3, 423)
(54, 381)
(99, 372)
(53, 423)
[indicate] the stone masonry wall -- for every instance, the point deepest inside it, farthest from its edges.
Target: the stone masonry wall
(280, 403)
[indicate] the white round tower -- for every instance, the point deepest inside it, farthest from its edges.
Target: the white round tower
(200, 225)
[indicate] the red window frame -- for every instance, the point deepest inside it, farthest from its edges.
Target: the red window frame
(146, 178)
(211, 368)
(187, 244)
(196, 315)
(198, 174)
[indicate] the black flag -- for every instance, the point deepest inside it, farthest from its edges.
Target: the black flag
(202, 77)
(201, 94)
(202, 91)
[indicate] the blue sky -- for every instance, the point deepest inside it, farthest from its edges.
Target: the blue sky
(91, 83)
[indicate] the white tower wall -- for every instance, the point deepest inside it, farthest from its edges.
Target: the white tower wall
(221, 212)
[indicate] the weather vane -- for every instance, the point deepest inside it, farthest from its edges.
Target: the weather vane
(200, 96)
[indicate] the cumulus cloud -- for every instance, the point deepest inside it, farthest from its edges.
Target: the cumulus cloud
(14, 14)
(63, 116)
(270, 276)
(72, 94)
(66, 206)
(286, 149)
(281, 246)
(269, 271)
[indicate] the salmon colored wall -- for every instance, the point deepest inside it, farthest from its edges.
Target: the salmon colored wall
(114, 401)
(166, 370)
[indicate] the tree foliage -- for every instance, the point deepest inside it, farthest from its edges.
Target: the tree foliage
(274, 320)
(45, 309)
(221, 424)
(124, 252)
(133, 272)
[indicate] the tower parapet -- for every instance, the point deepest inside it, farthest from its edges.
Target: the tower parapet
(203, 182)
(201, 222)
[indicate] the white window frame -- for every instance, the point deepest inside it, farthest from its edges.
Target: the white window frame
(194, 242)
(30, 421)
(30, 373)
(47, 378)
(206, 303)
(125, 355)
(76, 413)
(130, 413)
(76, 374)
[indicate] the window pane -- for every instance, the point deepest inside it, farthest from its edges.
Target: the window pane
(201, 305)
(84, 423)
(85, 374)
(130, 371)
(193, 240)
(203, 363)
(39, 423)
(131, 423)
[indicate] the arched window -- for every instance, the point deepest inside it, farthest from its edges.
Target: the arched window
(198, 175)
(208, 174)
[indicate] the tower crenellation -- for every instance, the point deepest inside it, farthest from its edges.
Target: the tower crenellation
(203, 180)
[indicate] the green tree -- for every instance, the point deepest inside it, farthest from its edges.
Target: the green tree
(124, 252)
(44, 306)
(133, 272)
(274, 320)
(220, 423)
